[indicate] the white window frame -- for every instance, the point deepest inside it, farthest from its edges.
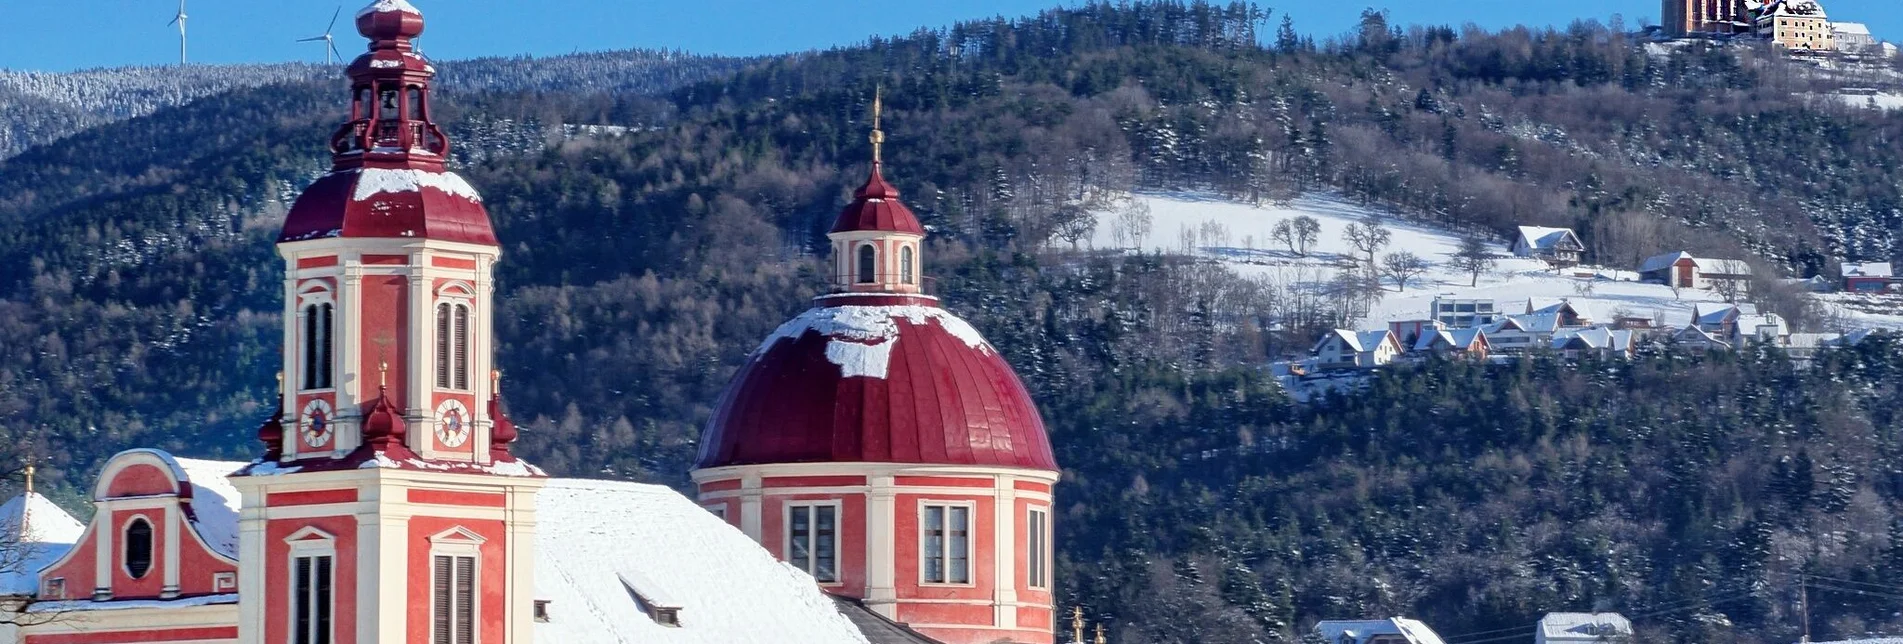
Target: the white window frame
(453, 295)
(908, 264)
(719, 510)
(457, 542)
(308, 542)
(971, 542)
(859, 276)
(315, 293)
(1037, 570)
(812, 563)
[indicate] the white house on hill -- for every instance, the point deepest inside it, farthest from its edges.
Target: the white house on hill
(1557, 246)
(1683, 270)
(1581, 628)
(1344, 349)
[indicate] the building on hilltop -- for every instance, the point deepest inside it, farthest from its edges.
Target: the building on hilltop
(1683, 18)
(1854, 38)
(387, 504)
(1558, 247)
(1798, 25)
(878, 442)
(1868, 277)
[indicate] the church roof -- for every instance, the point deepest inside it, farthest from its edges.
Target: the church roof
(44, 531)
(881, 378)
(875, 207)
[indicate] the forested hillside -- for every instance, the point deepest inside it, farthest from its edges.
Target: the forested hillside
(139, 299)
(41, 107)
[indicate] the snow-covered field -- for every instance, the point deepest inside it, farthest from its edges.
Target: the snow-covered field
(1241, 237)
(1882, 100)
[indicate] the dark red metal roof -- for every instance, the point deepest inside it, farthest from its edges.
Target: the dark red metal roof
(876, 207)
(419, 209)
(941, 400)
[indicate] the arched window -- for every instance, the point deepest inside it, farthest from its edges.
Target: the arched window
(317, 345)
(868, 265)
(138, 548)
(905, 264)
(452, 346)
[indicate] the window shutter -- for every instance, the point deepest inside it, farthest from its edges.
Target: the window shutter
(301, 601)
(322, 600)
(310, 347)
(462, 347)
(442, 346)
(465, 600)
(324, 348)
(440, 602)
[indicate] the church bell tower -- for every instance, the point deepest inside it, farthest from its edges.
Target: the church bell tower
(387, 506)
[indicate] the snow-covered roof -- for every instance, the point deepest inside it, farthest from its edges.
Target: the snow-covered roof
(44, 531)
(598, 539)
(1583, 627)
(1455, 338)
(1555, 306)
(1597, 337)
(387, 6)
(1867, 269)
(860, 338)
(1662, 262)
(214, 502)
(1814, 340)
(1852, 28)
(1358, 341)
(1359, 631)
(1723, 266)
(1542, 238)
(1695, 334)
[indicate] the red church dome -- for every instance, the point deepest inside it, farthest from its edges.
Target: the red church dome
(877, 378)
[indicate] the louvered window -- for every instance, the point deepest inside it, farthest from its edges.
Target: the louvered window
(1036, 529)
(311, 600)
(453, 600)
(317, 346)
(452, 346)
(812, 540)
(946, 541)
(905, 264)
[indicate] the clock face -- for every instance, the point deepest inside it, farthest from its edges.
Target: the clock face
(452, 426)
(314, 424)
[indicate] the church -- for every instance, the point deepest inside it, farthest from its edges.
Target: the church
(874, 473)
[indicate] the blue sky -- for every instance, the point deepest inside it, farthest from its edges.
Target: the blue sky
(75, 34)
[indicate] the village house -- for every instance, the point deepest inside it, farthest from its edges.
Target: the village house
(1692, 338)
(1397, 630)
(1738, 324)
(1683, 270)
(1465, 343)
(1868, 277)
(1582, 628)
(1558, 247)
(1555, 246)
(1463, 313)
(1796, 25)
(1604, 342)
(1521, 333)
(1407, 332)
(1568, 312)
(1345, 349)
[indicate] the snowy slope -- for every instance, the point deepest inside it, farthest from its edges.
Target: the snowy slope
(1243, 241)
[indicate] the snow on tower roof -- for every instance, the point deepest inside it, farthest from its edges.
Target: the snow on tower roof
(387, 6)
(214, 502)
(44, 531)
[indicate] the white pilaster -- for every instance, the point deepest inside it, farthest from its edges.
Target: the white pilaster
(881, 546)
(1004, 549)
(422, 332)
(750, 507)
(175, 530)
(251, 566)
(349, 379)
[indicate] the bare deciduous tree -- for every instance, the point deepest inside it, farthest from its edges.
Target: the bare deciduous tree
(1403, 267)
(1133, 223)
(1368, 236)
(1473, 258)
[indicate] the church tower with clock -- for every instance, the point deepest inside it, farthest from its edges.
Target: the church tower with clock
(387, 506)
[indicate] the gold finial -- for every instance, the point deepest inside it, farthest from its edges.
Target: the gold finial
(29, 478)
(383, 375)
(280, 383)
(1077, 624)
(878, 135)
(1100, 639)
(495, 381)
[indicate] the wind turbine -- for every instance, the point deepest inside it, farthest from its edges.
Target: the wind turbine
(330, 44)
(180, 21)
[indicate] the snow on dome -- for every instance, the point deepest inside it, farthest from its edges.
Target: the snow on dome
(388, 6)
(596, 540)
(376, 181)
(861, 338)
(49, 532)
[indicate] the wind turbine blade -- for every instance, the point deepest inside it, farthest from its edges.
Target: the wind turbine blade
(333, 49)
(333, 19)
(173, 22)
(311, 39)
